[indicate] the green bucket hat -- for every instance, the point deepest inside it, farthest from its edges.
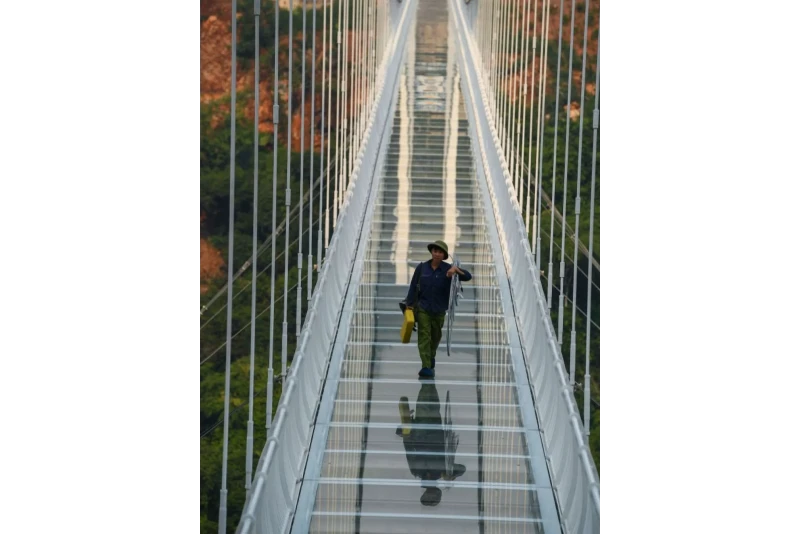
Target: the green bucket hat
(439, 244)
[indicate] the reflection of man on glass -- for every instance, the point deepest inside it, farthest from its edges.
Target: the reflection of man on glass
(428, 445)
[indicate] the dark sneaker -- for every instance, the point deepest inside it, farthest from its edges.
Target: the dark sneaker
(426, 372)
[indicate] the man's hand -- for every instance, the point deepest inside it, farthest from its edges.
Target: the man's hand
(453, 270)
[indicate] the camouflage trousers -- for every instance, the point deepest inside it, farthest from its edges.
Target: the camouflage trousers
(429, 334)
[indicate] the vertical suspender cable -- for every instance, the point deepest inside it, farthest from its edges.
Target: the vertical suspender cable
(337, 168)
(299, 307)
(595, 124)
(285, 334)
(562, 266)
(320, 215)
(525, 116)
(223, 492)
(249, 444)
(275, 122)
(555, 151)
(511, 102)
(572, 343)
(520, 118)
(544, 55)
(310, 283)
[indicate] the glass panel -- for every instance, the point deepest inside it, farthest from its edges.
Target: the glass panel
(448, 454)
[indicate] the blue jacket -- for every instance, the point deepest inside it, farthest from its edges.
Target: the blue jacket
(434, 291)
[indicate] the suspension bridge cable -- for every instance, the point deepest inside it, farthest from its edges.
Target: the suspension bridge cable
(299, 306)
(558, 249)
(555, 151)
(539, 190)
(369, 57)
(508, 116)
(516, 91)
(496, 13)
(579, 385)
(347, 100)
(249, 403)
(566, 183)
(328, 202)
(595, 127)
(355, 65)
(288, 199)
(338, 122)
(223, 492)
(248, 263)
(249, 443)
(343, 30)
(320, 221)
(499, 52)
(275, 124)
(213, 427)
(501, 66)
(572, 342)
(226, 344)
(262, 271)
(502, 91)
(310, 282)
(357, 77)
(560, 220)
(542, 67)
(580, 310)
(524, 102)
(262, 248)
